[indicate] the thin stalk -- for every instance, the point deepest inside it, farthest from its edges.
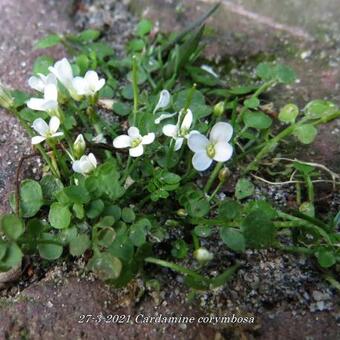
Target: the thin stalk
(135, 88)
(213, 176)
(218, 188)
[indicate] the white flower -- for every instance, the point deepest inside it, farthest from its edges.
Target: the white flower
(63, 71)
(50, 101)
(85, 164)
(89, 85)
(180, 132)
(215, 148)
(164, 116)
(46, 131)
(79, 146)
(164, 100)
(39, 83)
(134, 141)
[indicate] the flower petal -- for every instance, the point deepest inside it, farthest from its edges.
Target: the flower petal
(197, 142)
(137, 151)
(201, 161)
(122, 141)
(63, 71)
(92, 159)
(164, 100)
(37, 139)
(40, 126)
(223, 152)
(76, 167)
(80, 86)
(36, 84)
(100, 84)
(170, 130)
(164, 116)
(178, 143)
(148, 139)
(51, 92)
(36, 104)
(187, 121)
(221, 132)
(92, 78)
(133, 132)
(57, 134)
(54, 124)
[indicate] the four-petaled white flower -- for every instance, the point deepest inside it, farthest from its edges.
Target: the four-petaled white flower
(46, 131)
(63, 71)
(179, 132)
(39, 83)
(50, 101)
(85, 164)
(215, 148)
(134, 141)
(89, 85)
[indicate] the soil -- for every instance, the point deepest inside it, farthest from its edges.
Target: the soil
(286, 294)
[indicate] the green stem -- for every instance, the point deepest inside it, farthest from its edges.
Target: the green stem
(196, 241)
(218, 188)
(174, 267)
(298, 193)
(213, 176)
(135, 88)
(310, 189)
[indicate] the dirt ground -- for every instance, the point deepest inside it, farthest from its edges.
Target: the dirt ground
(284, 293)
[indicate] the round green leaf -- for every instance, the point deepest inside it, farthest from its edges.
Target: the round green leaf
(306, 133)
(121, 109)
(229, 209)
(244, 188)
(105, 266)
(3, 249)
(59, 216)
(42, 64)
(319, 108)
(49, 41)
(49, 248)
(12, 257)
(325, 258)
(203, 230)
(265, 71)
(288, 113)
(285, 74)
(79, 244)
(95, 208)
(252, 103)
(128, 215)
(144, 27)
(257, 120)
(233, 239)
(12, 226)
(31, 197)
(50, 186)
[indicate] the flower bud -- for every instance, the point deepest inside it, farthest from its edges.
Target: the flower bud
(219, 109)
(202, 255)
(224, 174)
(79, 146)
(181, 213)
(6, 100)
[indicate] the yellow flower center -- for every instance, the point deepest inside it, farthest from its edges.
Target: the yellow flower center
(135, 142)
(183, 132)
(211, 150)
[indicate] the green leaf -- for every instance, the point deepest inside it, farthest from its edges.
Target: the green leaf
(12, 226)
(233, 239)
(20, 98)
(12, 258)
(31, 198)
(77, 194)
(144, 27)
(42, 64)
(48, 248)
(325, 257)
(285, 74)
(262, 205)
(319, 108)
(78, 210)
(289, 113)
(128, 215)
(49, 41)
(257, 120)
(136, 45)
(244, 188)
(59, 216)
(138, 232)
(83, 63)
(265, 71)
(95, 208)
(198, 208)
(203, 230)
(113, 210)
(307, 208)
(88, 35)
(229, 210)
(106, 236)
(179, 249)
(50, 186)
(105, 266)
(3, 249)
(306, 133)
(258, 230)
(252, 103)
(79, 245)
(30, 115)
(121, 109)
